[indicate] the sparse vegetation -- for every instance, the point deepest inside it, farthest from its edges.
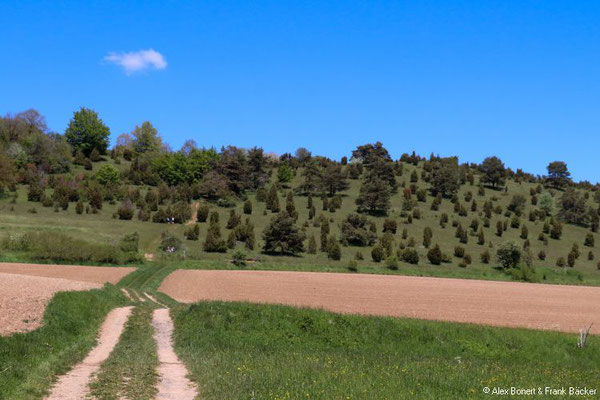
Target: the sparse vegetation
(413, 199)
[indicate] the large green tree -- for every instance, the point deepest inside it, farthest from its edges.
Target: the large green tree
(181, 167)
(233, 164)
(334, 179)
(558, 174)
(87, 132)
(257, 166)
(493, 171)
(146, 138)
(377, 161)
(573, 208)
(445, 176)
(313, 178)
(374, 196)
(282, 236)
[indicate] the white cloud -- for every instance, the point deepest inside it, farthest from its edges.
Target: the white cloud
(135, 61)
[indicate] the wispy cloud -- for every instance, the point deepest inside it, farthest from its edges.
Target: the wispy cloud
(135, 61)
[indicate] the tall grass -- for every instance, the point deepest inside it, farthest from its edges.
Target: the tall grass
(58, 247)
(243, 351)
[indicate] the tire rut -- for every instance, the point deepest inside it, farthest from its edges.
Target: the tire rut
(75, 384)
(173, 383)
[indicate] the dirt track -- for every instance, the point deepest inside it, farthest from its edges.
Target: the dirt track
(536, 306)
(25, 289)
(173, 383)
(74, 385)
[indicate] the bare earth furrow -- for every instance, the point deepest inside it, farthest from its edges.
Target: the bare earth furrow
(173, 383)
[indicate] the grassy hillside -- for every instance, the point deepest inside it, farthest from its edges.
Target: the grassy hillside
(17, 215)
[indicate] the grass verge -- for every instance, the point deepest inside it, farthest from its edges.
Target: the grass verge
(238, 350)
(564, 276)
(130, 371)
(30, 361)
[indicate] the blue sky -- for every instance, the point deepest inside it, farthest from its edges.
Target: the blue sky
(520, 80)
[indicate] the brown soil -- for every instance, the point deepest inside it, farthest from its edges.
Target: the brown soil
(26, 289)
(173, 383)
(194, 212)
(74, 385)
(536, 306)
(70, 272)
(23, 299)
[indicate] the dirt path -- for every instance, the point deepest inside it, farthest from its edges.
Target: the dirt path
(74, 385)
(194, 212)
(173, 383)
(536, 306)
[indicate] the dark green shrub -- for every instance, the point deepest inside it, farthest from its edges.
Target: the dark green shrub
(213, 242)
(356, 231)
(509, 255)
(192, 232)
(427, 235)
(125, 210)
(555, 230)
(571, 258)
(542, 255)
(78, 207)
(182, 212)
(312, 245)
(410, 256)
(202, 214)
(515, 222)
(248, 207)
(238, 258)
(334, 251)
(234, 220)
(391, 262)
(231, 240)
(130, 243)
(434, 255)
(390, 225)
(485, 257)
(459, 251)
(377, 253)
